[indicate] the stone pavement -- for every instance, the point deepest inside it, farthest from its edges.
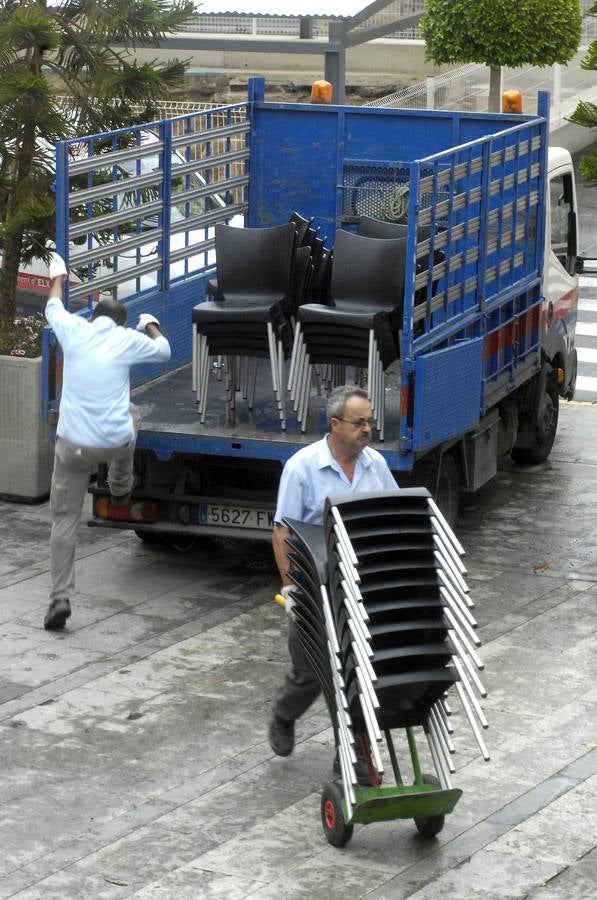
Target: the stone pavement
(134, 757)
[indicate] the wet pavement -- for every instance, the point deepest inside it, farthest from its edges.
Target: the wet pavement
(135, 760)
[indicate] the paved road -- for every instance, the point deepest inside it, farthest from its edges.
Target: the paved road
(134, 753)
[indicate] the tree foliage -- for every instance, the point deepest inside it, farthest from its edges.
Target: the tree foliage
(585, 113)
(501, 32)
(83, 46)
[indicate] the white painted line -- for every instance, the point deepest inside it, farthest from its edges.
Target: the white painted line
(588, 329)
(587, 305)
(586, 355)
(583, 383)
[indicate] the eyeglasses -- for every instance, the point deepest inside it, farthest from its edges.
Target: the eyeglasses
(357, 423)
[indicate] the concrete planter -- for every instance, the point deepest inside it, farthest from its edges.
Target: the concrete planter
(26, 445)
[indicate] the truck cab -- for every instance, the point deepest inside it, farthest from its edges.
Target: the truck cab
(561, 270)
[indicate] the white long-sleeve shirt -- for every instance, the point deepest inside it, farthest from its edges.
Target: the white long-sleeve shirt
(98, 355)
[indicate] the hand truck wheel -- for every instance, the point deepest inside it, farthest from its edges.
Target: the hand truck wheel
(335, 828)
(429, 826)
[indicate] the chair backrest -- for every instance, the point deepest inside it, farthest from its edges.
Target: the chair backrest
(254, 260)
(301, 225)
(322, 276)
(368, 270)
(301, 278)
(378, 228)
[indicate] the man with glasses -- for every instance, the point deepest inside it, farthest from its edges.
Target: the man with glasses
(340, 463)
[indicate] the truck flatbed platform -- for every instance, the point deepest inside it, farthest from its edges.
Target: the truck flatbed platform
(170, 422)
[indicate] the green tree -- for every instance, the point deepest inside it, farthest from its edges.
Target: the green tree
(501, 33)
(585, 113)
(82, 46)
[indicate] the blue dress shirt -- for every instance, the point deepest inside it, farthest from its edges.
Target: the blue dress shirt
(313, 474)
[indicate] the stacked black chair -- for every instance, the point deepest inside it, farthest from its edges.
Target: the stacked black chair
(427, 257)
(360, 329)
(248, 319)
(315, 288)
(385, 586)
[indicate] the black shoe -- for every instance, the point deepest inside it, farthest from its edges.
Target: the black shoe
(57, 614)
(123, 499)
(281, 736)
(361, 769)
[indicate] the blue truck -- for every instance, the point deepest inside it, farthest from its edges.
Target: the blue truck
(486, 351)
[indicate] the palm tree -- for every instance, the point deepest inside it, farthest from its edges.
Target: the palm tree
(81, 48)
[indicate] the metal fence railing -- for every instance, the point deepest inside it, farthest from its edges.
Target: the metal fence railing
(467, 88)
(144, 200)
(290, 25)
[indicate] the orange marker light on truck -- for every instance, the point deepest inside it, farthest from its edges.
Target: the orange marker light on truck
(512, 102)
(321, 92)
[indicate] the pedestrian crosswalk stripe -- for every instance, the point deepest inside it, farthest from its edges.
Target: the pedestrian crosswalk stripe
(586, 383)
(587, 305)
(588, 329)
(586, 355)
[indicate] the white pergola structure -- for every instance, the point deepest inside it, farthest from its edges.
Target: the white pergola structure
(346, 29)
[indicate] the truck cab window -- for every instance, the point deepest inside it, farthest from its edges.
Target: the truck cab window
(561, 204)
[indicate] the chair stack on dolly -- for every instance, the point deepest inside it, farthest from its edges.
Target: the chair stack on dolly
(384, 615)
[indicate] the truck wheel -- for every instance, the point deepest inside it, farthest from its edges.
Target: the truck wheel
(335, 828)
(447, 488)
(430, 826)
(546, 426)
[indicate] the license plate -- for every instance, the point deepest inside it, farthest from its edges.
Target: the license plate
(236, 516)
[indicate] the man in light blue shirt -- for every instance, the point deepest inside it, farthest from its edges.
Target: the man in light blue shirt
(340, 463)
(97, 422)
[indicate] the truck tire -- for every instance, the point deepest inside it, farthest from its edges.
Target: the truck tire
(546, 425)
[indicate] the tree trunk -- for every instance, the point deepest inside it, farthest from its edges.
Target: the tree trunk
(8, 281)
(20, 168)
(13, 242)
(495, 89)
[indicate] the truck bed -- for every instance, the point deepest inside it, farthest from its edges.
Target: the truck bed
(170, 422)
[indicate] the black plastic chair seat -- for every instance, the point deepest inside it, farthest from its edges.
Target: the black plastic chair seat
(399, 610)
(394, 663)
(253, 308)
(359, 317)
(391, 542)
(405, 699)
(442, 650)
(378, 563)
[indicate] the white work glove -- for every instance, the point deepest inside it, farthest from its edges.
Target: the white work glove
(146, 319)
(289, 602)
(57, 266)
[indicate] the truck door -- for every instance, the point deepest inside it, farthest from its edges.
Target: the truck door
(560, 276)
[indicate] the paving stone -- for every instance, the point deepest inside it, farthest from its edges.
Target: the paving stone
(135, 760)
